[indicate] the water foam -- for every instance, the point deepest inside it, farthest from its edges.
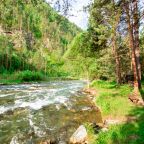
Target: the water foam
(36, 96)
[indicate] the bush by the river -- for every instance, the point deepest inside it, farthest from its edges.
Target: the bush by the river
(30, 76)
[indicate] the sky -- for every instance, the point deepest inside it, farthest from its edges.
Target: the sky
(76, 14)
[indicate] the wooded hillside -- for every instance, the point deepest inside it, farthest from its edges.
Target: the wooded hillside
(112, 47)
(33, 36)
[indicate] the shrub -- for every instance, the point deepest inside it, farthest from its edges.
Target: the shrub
(30, 76)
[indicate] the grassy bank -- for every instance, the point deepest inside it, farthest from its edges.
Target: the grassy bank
(114, 103)
(21, 76)
(29, 76)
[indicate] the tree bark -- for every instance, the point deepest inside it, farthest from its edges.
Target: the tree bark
(136, 36)
(117, 60)
(137, 82)
(114, 43)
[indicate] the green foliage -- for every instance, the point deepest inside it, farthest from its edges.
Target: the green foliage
(93, 52)
(142, 52)
(13, 63)
(91, 133)
(103, 84)
(86, 62)
(33, 36)
(30, 76)
(79, 46)
(80, 58)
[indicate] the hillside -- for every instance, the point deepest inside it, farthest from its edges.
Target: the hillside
(33, 36)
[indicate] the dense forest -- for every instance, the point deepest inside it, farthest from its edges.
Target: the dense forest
(66, 76)
(33, 37)
(112, 47)
(111, 55)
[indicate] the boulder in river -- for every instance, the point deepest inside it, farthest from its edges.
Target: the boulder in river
(80, 136)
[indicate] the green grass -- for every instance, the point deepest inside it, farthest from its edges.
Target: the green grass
(127, 133)
(114, 103)
(91, 134)
(112, 99)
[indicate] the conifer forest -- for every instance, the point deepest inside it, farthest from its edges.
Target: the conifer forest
(72, 72)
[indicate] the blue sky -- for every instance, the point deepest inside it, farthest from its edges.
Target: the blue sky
(76, 14)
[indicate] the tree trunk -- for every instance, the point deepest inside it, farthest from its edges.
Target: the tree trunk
(137, 83)
(117, 60)
(136, 37)
(7, 61)
(114, 43)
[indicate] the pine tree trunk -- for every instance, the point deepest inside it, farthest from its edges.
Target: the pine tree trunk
(137, 83)
(117, 60)
(114, 43)
(136, 37)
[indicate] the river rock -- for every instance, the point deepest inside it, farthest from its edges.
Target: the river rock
(80, 136)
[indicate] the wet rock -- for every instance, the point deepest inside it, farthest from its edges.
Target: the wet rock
(80, 136)
(2, 84)
(9, 112)
(1, 116)
(14, 140)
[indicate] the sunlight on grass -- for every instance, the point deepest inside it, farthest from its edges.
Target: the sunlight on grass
(114, 102)
(112, 98)
(127, 133)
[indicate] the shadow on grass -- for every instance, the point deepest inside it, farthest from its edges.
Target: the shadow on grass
(132, 132)
(142, 93)
(136, 134)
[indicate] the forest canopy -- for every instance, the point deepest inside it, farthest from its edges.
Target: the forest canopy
(33, 36)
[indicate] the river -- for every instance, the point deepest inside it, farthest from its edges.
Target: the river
(32, 113)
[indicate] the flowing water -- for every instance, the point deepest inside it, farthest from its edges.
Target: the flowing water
(32, 113)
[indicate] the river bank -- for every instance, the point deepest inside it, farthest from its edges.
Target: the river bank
(127, 119)
(28, 77)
